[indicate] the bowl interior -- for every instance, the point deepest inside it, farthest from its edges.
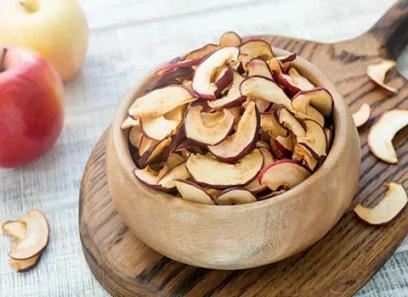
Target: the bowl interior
(341, 120)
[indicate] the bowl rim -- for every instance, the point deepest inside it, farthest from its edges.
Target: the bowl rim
(341, 118)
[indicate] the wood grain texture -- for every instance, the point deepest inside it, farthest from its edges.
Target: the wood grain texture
(338, 265)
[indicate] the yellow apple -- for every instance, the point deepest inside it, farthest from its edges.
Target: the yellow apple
(56, 29)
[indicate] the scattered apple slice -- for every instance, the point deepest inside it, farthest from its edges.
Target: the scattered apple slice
(252, 49)
(230, 39)
(265, 89)
(24, 265)
(129, 123)
(302, 153)
(35, 239)
(232, 98)
(201, 52)
(202, 80)
(287, 120)
(254, 186)
(208, 171)
(17, 229)
(283, 174)
(192, 192)
(319, 98)
(389, 207)
(243, 140)
(270, 124)
(362, 115)
(258, 67)
(314, 139)
(235, 196)
(383, 131)
(208, 128)
(163, 126)
(160, 101)
(168, 181)
(378, 72)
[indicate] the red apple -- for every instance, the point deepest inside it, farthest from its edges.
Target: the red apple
(31, 106)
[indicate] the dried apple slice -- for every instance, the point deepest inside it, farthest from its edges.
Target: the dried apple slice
(287, 120)
(302, 153)
(254, 186)
(286, 60)
(135, 136)
(270, 124)
(202, 80)
(147, 176)
(235, 196)
(276, 66)
(151, 149)
(208, 171)
(282, 146)
(208, 128)
(287, 82)
(232, 98)
(311, 114)
(160, 101)
(383, 131)
(223, 79)
(300, 81)
(192, 192)
(201, 52)
(179, 76)
(230, 39)
(35, 239)
(283, 174)
(389, 207)
(17, 229)
(314, 139)
(129, 123)
(258, 67)
(163, 126)
(319, 98)
(177, 65)
(362, 115)
(378, 72)
(243, 140)
(258, 87)
(168, 181)
(252, 49)
(24, 265)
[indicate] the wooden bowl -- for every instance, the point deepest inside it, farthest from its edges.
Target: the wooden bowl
(239, 236)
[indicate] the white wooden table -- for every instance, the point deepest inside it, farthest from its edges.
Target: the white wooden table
(128, 37)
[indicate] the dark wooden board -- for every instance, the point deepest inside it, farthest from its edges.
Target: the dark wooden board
(338, 265)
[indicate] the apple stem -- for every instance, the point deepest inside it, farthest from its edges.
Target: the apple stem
(3, 59)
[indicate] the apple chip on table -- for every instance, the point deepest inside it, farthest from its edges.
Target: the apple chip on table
(242, 126)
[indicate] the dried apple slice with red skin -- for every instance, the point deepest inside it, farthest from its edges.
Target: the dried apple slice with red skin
(223, 79)
(383, 131)
(283, 174)
(287, 82)
(208, 171)
(300, 81)
(255, 48)
(262, 88)
(208, 129)
(362, 115)
(378, 72)
(254, 186)
(160, 101)
(163, 126)
(232, 98)
(270, 124)
(319, 98)
(286, 60)
(35, 239)
(288, 121)
(282, 146)
(176, 76)
(303, 154)
(147, 176)
(276, 66)
(235, 196)
(168, 182)
(25, 265)
(176, 140)
(151, 150)
(193, 192)
(202, 80)
(394, 201)
(315, 139)
(230, 38)
(258, 67)
(311, 114)
(17, 229)
(243, 141)
(135, 136)
(180, 64)
(201, 52)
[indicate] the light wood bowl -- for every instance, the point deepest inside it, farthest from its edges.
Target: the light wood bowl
(239, 236)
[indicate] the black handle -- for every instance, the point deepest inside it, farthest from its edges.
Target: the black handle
(392, 30)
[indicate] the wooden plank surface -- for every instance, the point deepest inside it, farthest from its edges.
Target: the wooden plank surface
(127, 38)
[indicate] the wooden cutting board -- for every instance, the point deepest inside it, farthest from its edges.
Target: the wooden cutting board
(338, 265)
